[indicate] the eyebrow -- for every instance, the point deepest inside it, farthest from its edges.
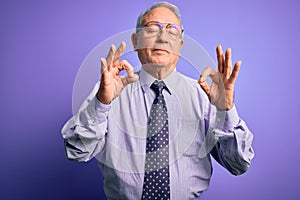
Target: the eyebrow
(143, 23)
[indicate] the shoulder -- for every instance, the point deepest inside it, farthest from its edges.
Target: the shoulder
(188, 82)
(193, 85)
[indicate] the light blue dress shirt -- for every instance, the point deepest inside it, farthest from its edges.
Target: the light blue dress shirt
(115, 134)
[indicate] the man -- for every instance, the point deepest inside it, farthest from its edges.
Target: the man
(153, 132)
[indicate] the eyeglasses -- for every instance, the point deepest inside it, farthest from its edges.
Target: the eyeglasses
(152, 28)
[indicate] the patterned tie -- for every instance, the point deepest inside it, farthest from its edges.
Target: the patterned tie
(156, 179)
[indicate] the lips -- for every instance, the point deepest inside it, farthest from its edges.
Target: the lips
(160, 50)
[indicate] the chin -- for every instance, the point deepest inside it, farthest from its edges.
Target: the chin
(162, 64)
(160, 60)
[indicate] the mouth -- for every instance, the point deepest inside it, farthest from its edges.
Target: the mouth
(160, 50)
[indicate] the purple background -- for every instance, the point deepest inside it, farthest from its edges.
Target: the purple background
(43, 44)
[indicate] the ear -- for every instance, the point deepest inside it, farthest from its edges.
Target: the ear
(134, 41)
(181, 43)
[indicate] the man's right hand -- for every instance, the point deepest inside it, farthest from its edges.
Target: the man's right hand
(111, 82)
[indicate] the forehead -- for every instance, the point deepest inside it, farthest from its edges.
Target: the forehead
(161, 14)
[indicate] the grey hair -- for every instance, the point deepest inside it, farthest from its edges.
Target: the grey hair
(165, 4)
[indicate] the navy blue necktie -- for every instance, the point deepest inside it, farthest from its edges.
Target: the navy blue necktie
(156, 180)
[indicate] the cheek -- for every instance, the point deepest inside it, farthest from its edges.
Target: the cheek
(176, 47)
(145, 43)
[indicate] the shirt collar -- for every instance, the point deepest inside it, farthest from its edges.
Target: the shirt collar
(146, 80)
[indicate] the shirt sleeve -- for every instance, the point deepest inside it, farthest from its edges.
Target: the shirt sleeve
(233, 148)
(84, 134)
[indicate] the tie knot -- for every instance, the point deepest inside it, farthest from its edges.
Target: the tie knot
(157, 87)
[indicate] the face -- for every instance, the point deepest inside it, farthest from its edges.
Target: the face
(159, 49)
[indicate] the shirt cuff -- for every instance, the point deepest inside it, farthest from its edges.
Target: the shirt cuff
(231, 118)
(101, 109)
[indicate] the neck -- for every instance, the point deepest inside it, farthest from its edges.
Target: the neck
(158, 71)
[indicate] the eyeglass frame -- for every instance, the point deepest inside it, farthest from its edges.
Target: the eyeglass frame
(160, 26)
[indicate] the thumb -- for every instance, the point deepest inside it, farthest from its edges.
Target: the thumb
(131, 76)
(208, 71)
(130, 79)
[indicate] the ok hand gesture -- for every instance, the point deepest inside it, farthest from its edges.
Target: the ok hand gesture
(221, 91)
(111, 82)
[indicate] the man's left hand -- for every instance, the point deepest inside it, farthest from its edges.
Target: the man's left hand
(221, 91)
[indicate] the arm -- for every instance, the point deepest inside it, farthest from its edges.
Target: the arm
(233, 147)
(84, 133)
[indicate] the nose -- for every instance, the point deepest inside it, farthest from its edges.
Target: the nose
(163, 35)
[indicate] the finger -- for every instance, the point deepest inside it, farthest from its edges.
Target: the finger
(235, 72)
(124, 65)
(110, 55)
(103, 65)
(228, 63)
(215, 77)
(205, 86)
(208, 71)
(119, 51)
(220, 58)
(202, 80)
(131, 77)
